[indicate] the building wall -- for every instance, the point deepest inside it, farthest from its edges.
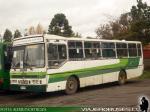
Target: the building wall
(146, 54)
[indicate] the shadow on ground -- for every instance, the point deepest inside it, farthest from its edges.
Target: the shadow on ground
(38, 96)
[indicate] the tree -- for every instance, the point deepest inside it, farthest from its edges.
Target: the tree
(60, 26)
(31, 31)
(134, 25)
(7, 36)
(17, 34)
(140, 24)
(114, 29)
(39, 29)
(77, 35)
(104, 31)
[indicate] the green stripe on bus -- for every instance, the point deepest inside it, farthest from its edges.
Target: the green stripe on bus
(28, 74)
(123, 64)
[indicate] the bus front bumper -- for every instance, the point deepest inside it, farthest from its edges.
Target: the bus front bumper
(28, 88)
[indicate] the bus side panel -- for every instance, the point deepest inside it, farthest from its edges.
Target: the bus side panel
(110, 77)
(56, 86)
(136, 72)
(86, 64)
(88, 75)
(92, 80)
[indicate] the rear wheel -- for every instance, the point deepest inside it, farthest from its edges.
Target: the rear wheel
(122, 77)
(71, 85)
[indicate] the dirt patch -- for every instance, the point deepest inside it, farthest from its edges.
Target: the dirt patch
(101, 95)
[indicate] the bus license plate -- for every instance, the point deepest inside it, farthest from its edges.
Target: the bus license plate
(23, 87)
(25, 82)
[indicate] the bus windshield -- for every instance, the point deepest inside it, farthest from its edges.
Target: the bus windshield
(28, 56)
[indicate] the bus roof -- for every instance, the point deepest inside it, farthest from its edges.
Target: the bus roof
(55, 37)
(42, 38)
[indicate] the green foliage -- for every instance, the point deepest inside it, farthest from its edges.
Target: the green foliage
(7, 36)
(17, 34)
(60, 26)
(104, 31)
(141, 21)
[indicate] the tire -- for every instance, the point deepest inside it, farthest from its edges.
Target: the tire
(71, 86)
(122, 77)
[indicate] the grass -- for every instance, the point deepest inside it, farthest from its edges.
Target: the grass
(145, 75)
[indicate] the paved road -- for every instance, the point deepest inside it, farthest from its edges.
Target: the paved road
(102, 95)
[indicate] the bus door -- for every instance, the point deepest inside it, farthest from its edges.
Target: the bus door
(18, 55)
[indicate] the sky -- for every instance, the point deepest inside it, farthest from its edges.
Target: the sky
(84, 15)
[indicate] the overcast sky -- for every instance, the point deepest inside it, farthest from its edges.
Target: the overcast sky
(83, 15)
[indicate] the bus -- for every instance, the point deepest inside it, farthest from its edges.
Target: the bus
(5, 60)
(46, 63)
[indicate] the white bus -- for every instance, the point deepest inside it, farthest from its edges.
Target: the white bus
(45, 63)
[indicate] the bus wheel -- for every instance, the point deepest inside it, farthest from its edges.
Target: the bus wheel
(122, 77)
(71, 85)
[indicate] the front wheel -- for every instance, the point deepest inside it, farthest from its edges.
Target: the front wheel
(122, 77)
(71, 85)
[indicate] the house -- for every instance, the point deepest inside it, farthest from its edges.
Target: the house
(146, 55)
(146, 51)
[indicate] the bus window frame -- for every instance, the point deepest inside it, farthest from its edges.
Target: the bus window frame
(110, 48)
(75, 48)
(27, 67)
(63, 60)
(132, 49)
(92, 48)
(122, 48)
(139, 49)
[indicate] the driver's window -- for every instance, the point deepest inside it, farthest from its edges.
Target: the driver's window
(17, 58)
(56, 55)
(62, 52)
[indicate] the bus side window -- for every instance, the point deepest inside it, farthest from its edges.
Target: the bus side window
(88, 49)
(108, 50)
(56, 55)
(132, 50)
(62, 52)
(92, 50)
(75, 50)
(52, 52)
(122, 50)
